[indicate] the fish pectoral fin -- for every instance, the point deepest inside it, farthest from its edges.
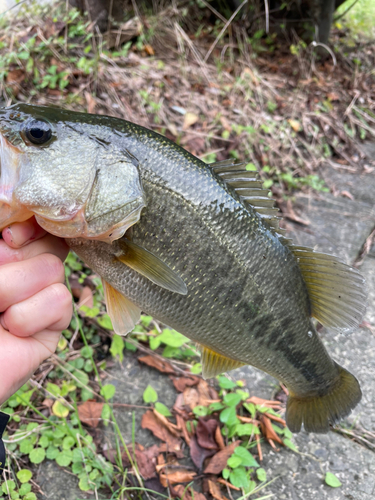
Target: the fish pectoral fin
(214, 363)
(150, 266)
(123, 313)
(337, 291)
(318, 412)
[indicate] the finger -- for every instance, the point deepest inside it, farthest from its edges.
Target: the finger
(47, 244)
(21, 233)
(21, 280)
(27, 354)
(51, 309)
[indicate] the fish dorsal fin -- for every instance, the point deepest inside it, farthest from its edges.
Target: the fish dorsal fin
(214, 363)
(337, 291)
(123, 313)
(150, 266)
(248, 186)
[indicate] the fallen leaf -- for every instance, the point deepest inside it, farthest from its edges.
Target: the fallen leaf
(159, 364)
(90, 413)
(154, 484)
(228, 484)
(219, 461)
(150, 421)
(91, 103)
(183, 382)
(15, 76)
(347, 194)
(180, 476)
(199, 454)
(146, 461)
(263, 402)
(205, 432)
(149, 50)
(14, 79)
(86, 297)
(191, 397)
(267, 429)
(206, 393)
(184, 493)
(295, 124)
(332, 96)
(48, 402)
(173, 429)
(219, 438)
(181, 424)
(214, 489)
(189, 120)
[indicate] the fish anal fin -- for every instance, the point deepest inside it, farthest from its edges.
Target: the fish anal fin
(214, 363)
(123, 313)
(337, 291)
(317, 413)
(150, 266)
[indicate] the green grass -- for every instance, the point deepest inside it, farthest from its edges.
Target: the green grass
(361, 18)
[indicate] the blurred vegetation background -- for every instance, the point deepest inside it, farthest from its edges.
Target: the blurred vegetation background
(288, 86)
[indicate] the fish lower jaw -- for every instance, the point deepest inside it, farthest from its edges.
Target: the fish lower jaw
(10, 215)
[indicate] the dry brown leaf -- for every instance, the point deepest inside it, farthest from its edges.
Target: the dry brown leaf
(219, 461)
(189, 120)
(90, 413)
(15, 76)
(159, 364)
(228, 484)
(146, 461)
(295, 124)
(181, 424)
(199, 454)
(191, 397)
(149, 50)
(265, 402)
(179, 476)
(206, 393)
(150, 421)
(187, 493)
(86, 298)
(219, 438)
(91, 103)
(173, 429)
(214, 489)
(268, 431)
(183, 382)
(48, 402)
(205, 433)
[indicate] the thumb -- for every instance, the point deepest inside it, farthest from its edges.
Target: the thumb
(20, 234)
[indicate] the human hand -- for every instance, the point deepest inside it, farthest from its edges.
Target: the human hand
(35, 304)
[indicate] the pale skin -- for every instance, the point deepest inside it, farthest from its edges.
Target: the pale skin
(35, 305)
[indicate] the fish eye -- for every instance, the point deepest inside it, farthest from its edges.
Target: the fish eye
(38, 132)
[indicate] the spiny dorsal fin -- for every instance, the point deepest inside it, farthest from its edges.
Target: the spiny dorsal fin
(213, 363)
(337, 291)
(150, 266)
(248, 186)
(123, 313)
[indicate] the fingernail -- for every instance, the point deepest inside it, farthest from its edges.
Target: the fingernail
(20, 233)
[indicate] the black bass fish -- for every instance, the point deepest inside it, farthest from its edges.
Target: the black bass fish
(196, 246)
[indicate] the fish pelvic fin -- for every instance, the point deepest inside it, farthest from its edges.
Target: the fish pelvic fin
(123, 313)
(337, 291)
(150, 266)
(214, 363)
(317, 413)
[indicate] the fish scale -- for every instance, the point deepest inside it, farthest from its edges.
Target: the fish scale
(196, 246)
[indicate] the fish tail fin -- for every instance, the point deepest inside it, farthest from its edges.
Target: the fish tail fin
(316, 413)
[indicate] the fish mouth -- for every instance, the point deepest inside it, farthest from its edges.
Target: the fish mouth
(10, 211)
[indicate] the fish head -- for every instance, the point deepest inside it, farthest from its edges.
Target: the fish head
(62, 167)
